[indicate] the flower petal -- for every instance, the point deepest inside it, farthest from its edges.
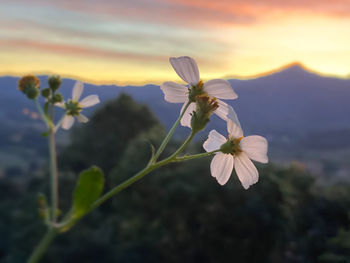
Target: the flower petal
(223, 110)
(77, 90)
(186, 68)
(255, 147)
(186, 119)
(220, 89)
(173, 92)
(233, 125)
(246, 171)
(89, 101)
(82, 118)
(67, 122)
(214, 141)
(60, 104)
(221, 167)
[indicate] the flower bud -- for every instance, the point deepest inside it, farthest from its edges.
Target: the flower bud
(54, 82)
(205, 106)
(57, 97)
(30, 86)
(46, 92)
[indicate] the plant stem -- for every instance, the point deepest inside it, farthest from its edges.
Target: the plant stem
(43, 115)
(170, 134)
(195, 156)
(123, 185)
(53, 170)
(43, 245)
(141, 174)
(55, 228)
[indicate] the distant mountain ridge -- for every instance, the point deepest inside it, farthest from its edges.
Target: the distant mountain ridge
(292, 99)
(290, 107)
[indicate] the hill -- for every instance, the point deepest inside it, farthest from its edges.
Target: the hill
(305, 116)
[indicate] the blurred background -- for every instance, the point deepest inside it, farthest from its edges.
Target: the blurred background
(287, 61)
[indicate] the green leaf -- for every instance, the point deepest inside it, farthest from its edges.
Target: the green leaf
(87, 191)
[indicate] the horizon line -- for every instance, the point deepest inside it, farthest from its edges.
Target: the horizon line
(153, 82)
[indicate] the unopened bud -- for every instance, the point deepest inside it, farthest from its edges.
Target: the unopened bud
(46, 92)
(54, 82)
(57, 97)
(30, 86)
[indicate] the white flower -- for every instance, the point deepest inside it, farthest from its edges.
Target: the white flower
(236, 151)
(73, 107)
(187, 70)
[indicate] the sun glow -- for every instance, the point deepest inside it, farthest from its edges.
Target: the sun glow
(102, 49)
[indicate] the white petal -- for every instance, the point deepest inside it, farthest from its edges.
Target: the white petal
(221, 167)
(186, 68)
(223, 110)
(233, 125)
(67, 122)
(173, 92)
(255, 147)
(246, 171)
(214, 141)
(77, 90)
(60, 104)
(186, 119)
(82, 118)
(220, 89)
(89, 101)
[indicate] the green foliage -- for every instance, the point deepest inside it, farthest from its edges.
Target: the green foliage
(87, 191)
(178, 213)
(104, 138)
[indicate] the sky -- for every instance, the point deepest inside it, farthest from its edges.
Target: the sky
(130, 41)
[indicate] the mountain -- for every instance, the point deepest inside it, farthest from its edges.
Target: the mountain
(291, 107)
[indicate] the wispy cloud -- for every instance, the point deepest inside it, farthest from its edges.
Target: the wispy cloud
(76, 50)
(227, 37)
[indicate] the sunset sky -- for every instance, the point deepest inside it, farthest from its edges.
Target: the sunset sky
(129, 42)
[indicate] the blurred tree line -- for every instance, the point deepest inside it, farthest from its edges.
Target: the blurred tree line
(178, 213)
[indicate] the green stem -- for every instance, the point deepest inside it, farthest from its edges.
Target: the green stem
(43, 115)
(195, 156)
(43, 245)
(141, 174)
(169, 135)
(53, 170)
(124, 185)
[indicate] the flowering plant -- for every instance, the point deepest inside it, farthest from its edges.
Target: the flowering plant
(200, 100)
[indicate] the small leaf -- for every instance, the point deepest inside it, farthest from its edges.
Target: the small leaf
(45, 134)
(87, 191)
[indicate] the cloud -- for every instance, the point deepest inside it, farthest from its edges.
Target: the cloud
(65, 49)
(197, 13)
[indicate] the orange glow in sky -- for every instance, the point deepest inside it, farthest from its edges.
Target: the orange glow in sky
(129, 42)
